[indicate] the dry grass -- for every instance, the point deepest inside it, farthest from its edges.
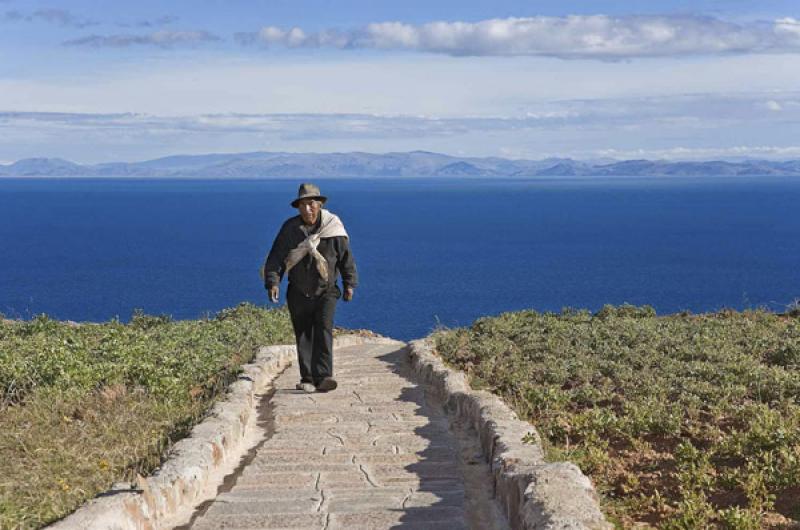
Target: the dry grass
(60, 449)
(85, 407)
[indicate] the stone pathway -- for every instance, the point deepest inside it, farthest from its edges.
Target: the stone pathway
(375, 453)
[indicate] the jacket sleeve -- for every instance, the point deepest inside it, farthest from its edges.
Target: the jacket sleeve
(274, 266)
(346, 263)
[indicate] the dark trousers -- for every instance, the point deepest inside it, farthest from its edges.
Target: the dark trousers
(312, 319)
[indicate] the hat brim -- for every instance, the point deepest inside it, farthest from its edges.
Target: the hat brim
(320, 198)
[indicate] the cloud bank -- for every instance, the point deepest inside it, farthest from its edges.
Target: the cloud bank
(699, 112)
(163, 39)
(164, 20)
(693, 126)
(61, 17)
(571, 37)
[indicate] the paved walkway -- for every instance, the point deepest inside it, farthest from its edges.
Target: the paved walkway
(375, 453)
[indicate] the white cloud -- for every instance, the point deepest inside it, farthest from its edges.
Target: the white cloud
(577, 36)
(705, 153)
(162, 38)
(788, 28)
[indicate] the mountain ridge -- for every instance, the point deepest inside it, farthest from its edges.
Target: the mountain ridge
(265, 164)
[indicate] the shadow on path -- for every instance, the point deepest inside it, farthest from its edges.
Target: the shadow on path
(449, 482)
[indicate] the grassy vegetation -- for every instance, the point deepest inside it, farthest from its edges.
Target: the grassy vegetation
(682, 421)
(82, 407)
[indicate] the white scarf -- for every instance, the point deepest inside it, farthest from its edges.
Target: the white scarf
(330, 226)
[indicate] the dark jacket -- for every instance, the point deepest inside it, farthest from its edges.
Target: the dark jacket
(304, 276)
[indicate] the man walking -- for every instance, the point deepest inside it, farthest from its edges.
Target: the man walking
(311, 247)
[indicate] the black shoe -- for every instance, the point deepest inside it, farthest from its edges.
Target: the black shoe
(327, 384)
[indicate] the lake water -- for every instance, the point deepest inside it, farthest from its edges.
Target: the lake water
(429, 252)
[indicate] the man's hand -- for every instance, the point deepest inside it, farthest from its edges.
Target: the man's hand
(348, 294)
(274, 292)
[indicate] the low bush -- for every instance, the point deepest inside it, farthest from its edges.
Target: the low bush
(682, 421)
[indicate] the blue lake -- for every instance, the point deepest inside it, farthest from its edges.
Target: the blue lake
(429, 251)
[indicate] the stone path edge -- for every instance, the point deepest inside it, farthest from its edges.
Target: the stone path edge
(535, 494)
(198, 463)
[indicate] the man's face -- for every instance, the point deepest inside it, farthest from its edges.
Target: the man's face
(309, 210)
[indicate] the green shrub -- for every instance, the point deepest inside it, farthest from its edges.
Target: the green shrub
(685, 421)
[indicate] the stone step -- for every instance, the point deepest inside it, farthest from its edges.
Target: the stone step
(376, 453)
(306, 521)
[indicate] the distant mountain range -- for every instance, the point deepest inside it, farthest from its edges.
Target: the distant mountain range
(412, 164)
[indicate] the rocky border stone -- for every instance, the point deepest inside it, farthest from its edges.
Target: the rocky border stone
(535, 494)
(197, 464)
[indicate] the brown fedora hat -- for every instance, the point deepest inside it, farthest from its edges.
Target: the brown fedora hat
(308, 191)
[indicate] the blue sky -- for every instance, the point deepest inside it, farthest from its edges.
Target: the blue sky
(94, 81)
